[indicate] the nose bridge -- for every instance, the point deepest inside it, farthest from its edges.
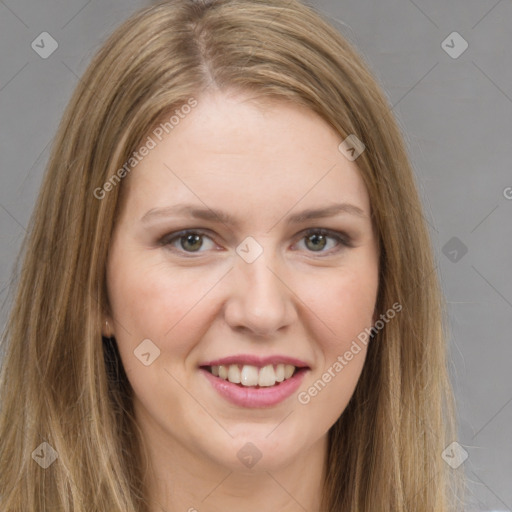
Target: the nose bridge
(259, 300)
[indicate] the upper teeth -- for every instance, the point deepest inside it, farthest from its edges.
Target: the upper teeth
(250, 375)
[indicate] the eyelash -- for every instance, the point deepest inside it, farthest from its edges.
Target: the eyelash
(340, 237)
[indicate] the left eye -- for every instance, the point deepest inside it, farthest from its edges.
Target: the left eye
(316, 240)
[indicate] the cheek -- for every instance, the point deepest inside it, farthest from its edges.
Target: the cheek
(151, 301)
(344, 302)
(341, 314)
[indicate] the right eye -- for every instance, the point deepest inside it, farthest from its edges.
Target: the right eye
(189, 241)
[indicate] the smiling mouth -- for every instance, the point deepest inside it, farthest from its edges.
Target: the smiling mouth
(253, 376)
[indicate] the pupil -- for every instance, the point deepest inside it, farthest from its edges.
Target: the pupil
(195, 241)
(317, 238)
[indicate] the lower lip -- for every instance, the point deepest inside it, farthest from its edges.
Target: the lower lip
(255, 397)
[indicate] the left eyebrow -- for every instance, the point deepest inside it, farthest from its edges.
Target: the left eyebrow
(226, 218)
(328, 211)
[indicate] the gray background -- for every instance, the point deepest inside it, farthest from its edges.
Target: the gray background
(456, 114)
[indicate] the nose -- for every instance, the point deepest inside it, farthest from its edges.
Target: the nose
(260, 301)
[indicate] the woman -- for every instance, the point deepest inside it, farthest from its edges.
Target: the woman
(228, 299)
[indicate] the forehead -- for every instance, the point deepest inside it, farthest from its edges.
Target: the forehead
(233, 153)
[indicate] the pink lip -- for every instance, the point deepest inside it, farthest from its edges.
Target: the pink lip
(256, 361)
(255, 397)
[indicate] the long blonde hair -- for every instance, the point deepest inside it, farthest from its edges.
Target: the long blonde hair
(62, 383)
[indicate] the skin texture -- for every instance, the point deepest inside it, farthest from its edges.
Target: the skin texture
(298, 298)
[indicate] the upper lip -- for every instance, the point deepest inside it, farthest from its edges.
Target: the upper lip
(254, 360)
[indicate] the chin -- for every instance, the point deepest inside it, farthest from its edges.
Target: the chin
(260, 450)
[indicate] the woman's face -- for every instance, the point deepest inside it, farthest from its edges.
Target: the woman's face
(248, 286)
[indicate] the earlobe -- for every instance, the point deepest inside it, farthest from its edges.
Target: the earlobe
(107, 331)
